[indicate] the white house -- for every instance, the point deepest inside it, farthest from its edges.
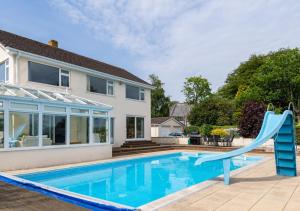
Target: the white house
(59, 107)
(163, 126)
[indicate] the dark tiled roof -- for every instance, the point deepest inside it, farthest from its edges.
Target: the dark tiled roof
(24, 44)
(159, 120)
(180, 110)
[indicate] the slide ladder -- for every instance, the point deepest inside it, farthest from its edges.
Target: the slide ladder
(277, 126)
(285, 152)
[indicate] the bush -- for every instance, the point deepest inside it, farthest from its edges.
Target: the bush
(251, 119)
(219, 132)
(298, 134)
(191, 129)
(205, 130)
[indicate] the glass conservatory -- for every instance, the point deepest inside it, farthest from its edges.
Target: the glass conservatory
(31, 118)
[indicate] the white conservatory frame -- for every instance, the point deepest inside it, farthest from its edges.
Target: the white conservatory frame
(10, 94)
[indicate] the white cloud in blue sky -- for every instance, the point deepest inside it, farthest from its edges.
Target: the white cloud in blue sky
(174, 39)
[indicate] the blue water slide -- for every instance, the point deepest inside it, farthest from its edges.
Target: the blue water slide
(277, 126)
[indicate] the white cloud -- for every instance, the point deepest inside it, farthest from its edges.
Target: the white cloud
(176, 39)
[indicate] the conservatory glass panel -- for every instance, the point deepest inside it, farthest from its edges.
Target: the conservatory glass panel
(79, 130)
(24, 106)
(23, 129)
(1, 129)
(54, 130)
(99, 130)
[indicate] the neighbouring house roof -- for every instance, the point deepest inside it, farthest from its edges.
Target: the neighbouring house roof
(160, 120)
(27, 45)
(180, 110)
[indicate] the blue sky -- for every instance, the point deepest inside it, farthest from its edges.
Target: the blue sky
(171, 38)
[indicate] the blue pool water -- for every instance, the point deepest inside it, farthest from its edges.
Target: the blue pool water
(136, 182)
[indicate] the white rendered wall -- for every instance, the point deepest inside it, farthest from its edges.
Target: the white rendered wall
(121, 106)
(27, 159)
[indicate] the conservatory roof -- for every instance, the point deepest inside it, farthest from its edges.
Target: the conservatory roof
(8, 91)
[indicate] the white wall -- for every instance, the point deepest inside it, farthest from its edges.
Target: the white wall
(3, 55)
(26, 159)
(121, 106)
(166, 128)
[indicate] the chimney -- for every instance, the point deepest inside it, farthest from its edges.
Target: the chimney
(53, 43)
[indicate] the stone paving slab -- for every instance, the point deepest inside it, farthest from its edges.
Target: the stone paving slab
(257, 189)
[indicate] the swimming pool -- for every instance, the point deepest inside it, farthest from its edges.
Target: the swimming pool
(138, 181)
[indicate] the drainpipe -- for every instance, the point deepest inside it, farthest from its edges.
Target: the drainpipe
(17, 67)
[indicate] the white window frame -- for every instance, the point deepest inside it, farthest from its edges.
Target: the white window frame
(135, 128)
(141, 91)
(110, 83)
(6, 108)
(64, 74)
(60, 73)
(6, 69)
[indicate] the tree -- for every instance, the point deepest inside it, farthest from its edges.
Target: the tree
(196, 89)
(251, 119)
(272, 78)
(213, 110)
(159, 102)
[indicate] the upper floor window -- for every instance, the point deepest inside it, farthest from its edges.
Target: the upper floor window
(100, 85)
(136, 93)
(4, 71)
(47, 74)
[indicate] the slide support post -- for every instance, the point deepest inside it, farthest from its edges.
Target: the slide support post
(226, 168)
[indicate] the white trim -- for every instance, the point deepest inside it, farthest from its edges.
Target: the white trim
(75, 67)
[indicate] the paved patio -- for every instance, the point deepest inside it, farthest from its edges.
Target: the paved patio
(256, 188)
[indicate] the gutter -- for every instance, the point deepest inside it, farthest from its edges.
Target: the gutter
(75, 67)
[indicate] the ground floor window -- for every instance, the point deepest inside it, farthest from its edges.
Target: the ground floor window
(54, 129)
(135, 127)
(99, 130)
(23, 129)
(79, 130)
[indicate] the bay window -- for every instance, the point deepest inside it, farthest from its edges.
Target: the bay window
(135, 128)
(46, 74)
(135, 93)
(100, 85)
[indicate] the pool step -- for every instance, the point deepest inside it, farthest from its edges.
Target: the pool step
(284, 147)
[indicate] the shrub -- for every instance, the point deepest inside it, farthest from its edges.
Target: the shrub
(191, 129)
(251, 119)
(298, 134)
(205, 130)
(219, 132)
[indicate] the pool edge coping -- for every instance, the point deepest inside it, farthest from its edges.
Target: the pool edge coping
(153, 205)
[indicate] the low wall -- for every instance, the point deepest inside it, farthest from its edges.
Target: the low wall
(239, 142)
(171, 140)
(36, 158)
